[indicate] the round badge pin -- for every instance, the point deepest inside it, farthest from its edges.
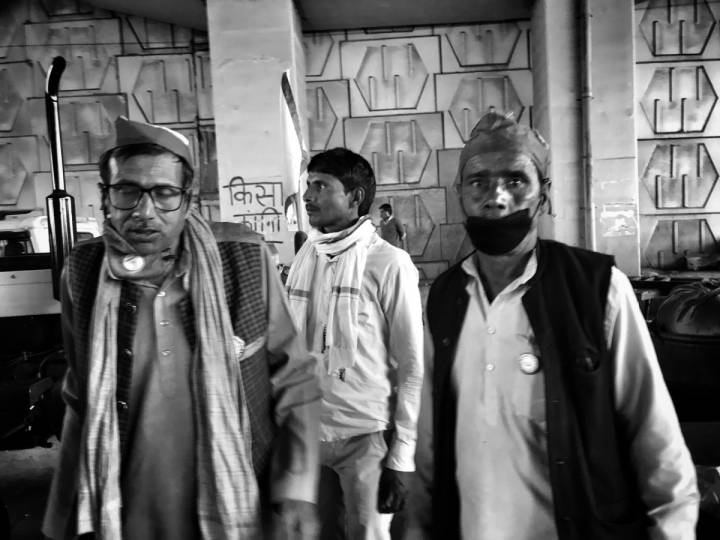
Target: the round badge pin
(133, 263)
(529, 363)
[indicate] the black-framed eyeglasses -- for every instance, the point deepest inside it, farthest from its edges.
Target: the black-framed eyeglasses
(127, 196)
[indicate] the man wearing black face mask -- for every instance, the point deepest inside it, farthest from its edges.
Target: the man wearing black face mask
(548, 417)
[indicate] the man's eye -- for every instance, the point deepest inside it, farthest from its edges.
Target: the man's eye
(516, 181)
(165, 191)
(125, 189)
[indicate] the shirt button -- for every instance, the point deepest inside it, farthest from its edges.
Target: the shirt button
(491, 330)
(122, 405)
(132, 308)
(490, 367)
(161, 294)
(128, 353)
(446, 341)
(164, 323)
(166, 352)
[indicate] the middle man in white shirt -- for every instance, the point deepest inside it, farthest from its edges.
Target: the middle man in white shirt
(355, 298)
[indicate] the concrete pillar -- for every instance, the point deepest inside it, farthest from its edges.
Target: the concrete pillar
(556, 114)
(251, 45)
(612, 129)
(613, 189)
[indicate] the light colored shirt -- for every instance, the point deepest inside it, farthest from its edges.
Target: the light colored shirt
(158, 478)
(294, 472)
(501, 440)
(382, 388)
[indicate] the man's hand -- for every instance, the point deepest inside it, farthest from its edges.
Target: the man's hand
(294, 520)
(393, 490)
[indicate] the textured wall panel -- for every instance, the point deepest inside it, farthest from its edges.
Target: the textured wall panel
(677, 29)
(322, 54)
(678, 99)
(382, 33)
(12, 35)
(391, 75)
(143, 36)
(668, 239)
(160, 87)
(88, 46)
(465, 97)
(19, 157)
(87, 124)
(678, 124)
(327, 106)
(16, 84)
(154, 83)
(401, 149)
(679, 175)
(203, 84)
(485, 46)
(422, 212)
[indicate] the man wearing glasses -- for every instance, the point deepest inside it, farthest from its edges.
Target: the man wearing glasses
(192, 405)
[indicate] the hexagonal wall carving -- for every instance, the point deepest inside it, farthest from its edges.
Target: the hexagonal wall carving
(475, 96)
(321, 118)
(483, 44)
(671, 27)
(391, 77)
(317, 51)
(397, 151)
(678, 99)
(680, 176)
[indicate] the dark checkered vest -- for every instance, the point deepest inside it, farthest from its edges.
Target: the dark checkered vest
(595, 495)
(242, 271)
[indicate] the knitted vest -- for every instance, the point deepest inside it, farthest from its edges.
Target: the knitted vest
(594, 493)
(242, 272)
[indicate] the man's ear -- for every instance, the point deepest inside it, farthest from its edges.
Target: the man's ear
(358, 196)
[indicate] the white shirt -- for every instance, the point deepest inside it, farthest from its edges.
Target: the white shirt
(388, 364)
(501, 440)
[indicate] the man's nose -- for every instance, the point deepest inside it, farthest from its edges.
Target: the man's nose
(146, 206)
(307, 196)
(497, 194)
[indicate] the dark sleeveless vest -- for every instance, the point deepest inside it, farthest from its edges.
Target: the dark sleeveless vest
(242, 272)
(594, 492)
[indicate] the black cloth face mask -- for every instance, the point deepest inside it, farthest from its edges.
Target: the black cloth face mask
(499, 235)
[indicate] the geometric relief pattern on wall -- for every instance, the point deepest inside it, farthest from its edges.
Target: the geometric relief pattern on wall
(87, 123)
(18, 158)
(483, 44)
(328, 103)
(674, 27)
(203, 85)
(160, 87)
(678, 99)
(397, 150)
(322, 119)
(88, 46)
(391, 77)
(672, 239)
(422, 210)
(680, 176)
(58, 8)
(148, 35)
(477, 95)
(16, 83)
(318, 47)
(10, 25)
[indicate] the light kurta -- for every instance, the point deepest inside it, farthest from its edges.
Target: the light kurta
(359, 400)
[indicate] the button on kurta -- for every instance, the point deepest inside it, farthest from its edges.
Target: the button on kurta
(490, 330)
(161, 294)
(166, 352)
(164, 323)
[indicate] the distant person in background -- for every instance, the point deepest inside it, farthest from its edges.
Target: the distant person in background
(391, 230)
